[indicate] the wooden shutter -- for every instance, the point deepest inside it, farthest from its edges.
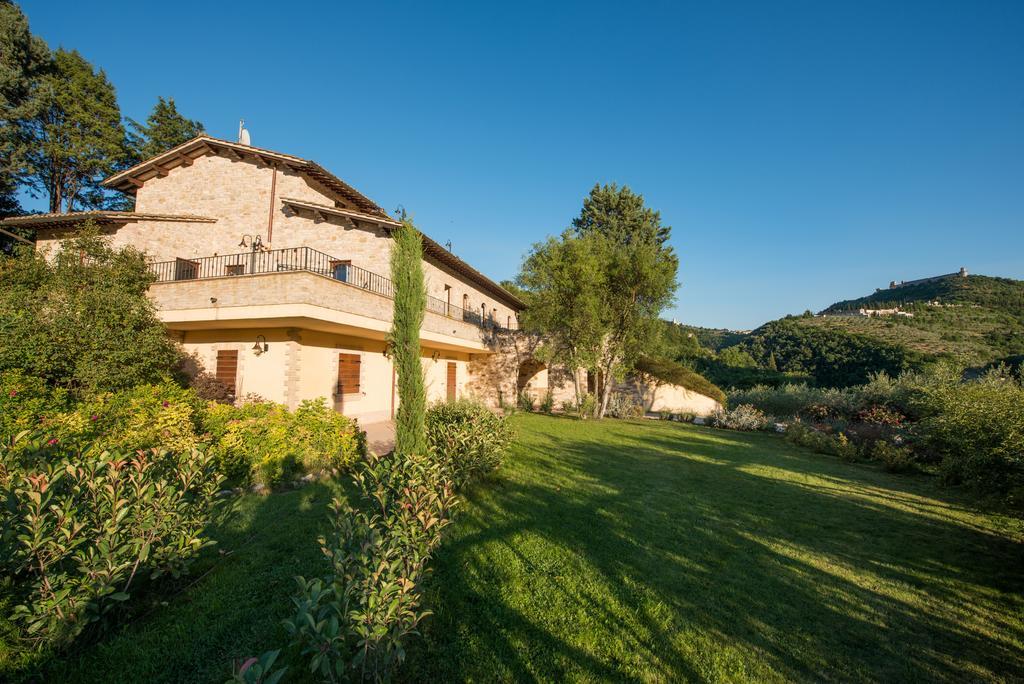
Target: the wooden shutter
(451, 381)
(227, 368)
(348, 373)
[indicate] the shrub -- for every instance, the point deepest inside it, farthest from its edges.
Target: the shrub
(142, 417)
(467, 438)
(354, 624)
(78, 317)
(547, 403)
(262, 442)
(896, 459)
(978, 429)
(25, 400)
(588, 404)
(80, 526)
(525, 401)
(743, 417)
(624, 406)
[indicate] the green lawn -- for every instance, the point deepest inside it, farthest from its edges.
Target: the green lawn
(639, 551)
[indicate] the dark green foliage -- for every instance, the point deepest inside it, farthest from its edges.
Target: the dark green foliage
(73, 137)
(81, 525)
(164, 128)
(355, 624)
(404, 339)
(834, 358)
(674, 373)
(265, 443)
(467, 438)
(1000, 294)
(81, 320)
(23, 59)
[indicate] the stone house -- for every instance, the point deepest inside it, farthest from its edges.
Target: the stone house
(274, 274)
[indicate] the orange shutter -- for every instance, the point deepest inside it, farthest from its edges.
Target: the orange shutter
(227, 368)
(451, 381)
(348, 373)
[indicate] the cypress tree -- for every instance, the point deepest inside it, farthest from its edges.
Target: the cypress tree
(404, 338)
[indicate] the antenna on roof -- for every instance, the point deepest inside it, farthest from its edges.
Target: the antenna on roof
(243, 135)
(448, 245)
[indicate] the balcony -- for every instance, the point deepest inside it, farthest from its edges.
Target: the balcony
(286, 284)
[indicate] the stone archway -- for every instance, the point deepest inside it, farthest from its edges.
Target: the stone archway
(532, 378)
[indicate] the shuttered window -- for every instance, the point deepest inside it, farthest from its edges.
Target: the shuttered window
(348, 373)
(227, 368)
(451, 381)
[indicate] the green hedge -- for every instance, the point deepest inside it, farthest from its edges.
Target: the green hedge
(677, 374)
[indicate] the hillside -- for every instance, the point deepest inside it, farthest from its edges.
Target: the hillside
(977, 320)
(1004, 295)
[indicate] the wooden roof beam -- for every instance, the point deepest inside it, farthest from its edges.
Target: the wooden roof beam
(161, 171)
(185, 159)
(134, 181)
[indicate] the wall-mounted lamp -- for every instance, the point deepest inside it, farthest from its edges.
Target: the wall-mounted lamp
(261, 345)
(387, 351)
(253, 241)
(435, 356)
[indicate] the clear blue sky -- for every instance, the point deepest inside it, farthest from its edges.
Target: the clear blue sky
(802, 152)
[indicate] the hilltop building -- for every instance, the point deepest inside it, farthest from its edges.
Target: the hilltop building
(962, 273)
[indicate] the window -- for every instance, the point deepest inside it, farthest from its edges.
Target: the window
(348, 373)
(508, 323)
(235, 269)
(227, 369)
(340, 270)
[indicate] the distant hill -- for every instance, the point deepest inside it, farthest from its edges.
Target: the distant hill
(978, 320)
(975, 319)
(998, 294)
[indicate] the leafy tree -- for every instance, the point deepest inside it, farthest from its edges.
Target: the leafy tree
(597, 290)
(557, 283)
(404, 339)
(23, 59)
(639, 275)
(620, 214)
(80, 319)
(164, 128)
(834, 357)
(73, 138)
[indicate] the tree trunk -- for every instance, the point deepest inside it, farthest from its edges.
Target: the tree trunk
(606, 391)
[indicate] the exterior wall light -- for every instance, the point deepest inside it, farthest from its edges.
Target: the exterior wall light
(261, 345)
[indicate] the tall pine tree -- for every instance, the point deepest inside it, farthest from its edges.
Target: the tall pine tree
(23, 60)
(404, 339)
(164, 128)
(74, 138)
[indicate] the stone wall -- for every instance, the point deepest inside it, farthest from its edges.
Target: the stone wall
(237, 193)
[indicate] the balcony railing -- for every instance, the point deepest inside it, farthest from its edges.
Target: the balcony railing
(301, 259)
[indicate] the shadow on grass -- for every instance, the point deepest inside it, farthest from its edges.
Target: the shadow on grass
(662, 552)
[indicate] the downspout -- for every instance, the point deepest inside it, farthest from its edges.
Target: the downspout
(270, 218)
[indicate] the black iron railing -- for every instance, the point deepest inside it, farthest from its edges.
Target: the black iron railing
(302, 259)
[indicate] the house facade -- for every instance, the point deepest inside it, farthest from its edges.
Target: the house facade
(275, 275)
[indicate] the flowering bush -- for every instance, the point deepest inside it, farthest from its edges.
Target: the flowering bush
(81, 525)
(743, 417)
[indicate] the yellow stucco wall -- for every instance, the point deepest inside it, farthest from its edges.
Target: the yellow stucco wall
(303, 364)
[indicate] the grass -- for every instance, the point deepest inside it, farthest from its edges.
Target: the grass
(648, 551)
(666, 552)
